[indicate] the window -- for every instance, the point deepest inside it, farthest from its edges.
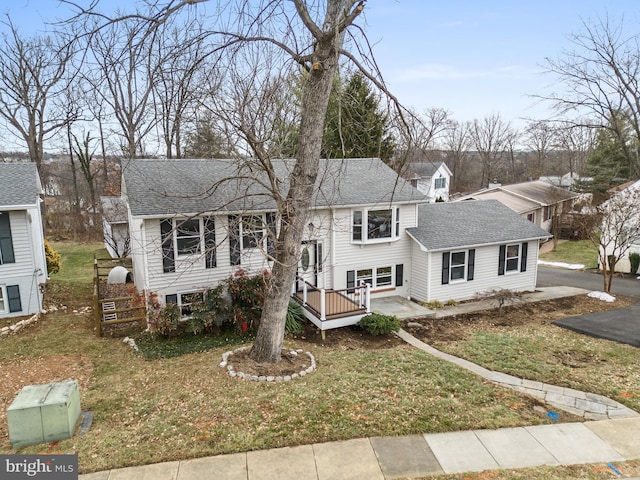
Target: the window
(10, 299)
(531, 217)
(381, 224)
(458, 266)
(513, 258)
(440, 182)
(184, 301)
(548, 212)
(6, 243)
(252, 231)
(188, 237)
(365, 276)
(376, 277)
(383, 276)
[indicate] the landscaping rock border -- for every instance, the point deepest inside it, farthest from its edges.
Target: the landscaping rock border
(16, 327)
(264, 378)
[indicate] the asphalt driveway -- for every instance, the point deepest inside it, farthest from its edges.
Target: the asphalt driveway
(621, 325)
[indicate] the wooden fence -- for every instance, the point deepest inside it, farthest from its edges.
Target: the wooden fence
(115, 313)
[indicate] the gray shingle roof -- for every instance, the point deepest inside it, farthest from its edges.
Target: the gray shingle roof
(472, 223)
(166, 187)
(19, 184)
(424, 169)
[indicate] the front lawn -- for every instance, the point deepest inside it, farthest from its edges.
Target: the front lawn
(581, 252)
(186, 406)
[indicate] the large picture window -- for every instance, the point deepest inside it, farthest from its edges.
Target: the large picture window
(374, 225)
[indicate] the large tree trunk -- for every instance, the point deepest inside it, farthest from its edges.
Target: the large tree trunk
(294, 210)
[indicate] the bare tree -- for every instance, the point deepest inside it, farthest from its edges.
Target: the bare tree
(456, 142)
(539, 137)
(600, 74)
(181, 58)
(123, 79)
(617, 228)
(33, 72)
(576, 141)
(490, 137)
(314, 39)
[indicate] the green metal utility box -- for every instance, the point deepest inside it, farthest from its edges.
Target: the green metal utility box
(44, 413)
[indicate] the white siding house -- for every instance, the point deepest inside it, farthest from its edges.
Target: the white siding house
(193, 223)
(433, 179)
(621, 226)
(23, 266)
(461, 249)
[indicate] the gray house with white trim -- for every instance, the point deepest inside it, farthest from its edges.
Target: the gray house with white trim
(23, 266)
(193, 223)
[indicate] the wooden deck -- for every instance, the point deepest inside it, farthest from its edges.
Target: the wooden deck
(334, 308)
(336, 304)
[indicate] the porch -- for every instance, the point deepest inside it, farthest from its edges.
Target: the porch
(328, 309)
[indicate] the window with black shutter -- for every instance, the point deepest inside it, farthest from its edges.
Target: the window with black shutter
(166, 235)
(6, 243)
(523, 257)
(399, 275)
(501, 259)
(471, 264)
(13, 297)
(234, 240)
(446, 257)
(209, 242)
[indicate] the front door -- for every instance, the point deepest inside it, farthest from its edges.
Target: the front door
(307, 270)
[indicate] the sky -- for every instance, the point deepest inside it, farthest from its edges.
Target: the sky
(473, 58)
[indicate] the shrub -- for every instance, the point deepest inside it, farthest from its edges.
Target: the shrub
(634, 259)
(452, 303)
(378, 324)
(432, 305)
(54, 260)
(295, 318)
(247, 297)
(211, 313)
(162, 320)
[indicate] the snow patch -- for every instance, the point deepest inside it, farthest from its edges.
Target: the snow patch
(570, 266)
(605, 297)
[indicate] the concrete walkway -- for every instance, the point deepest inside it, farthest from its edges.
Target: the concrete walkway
(612, 435)
(382, 458)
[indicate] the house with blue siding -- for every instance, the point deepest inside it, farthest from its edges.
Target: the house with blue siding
(23, 266)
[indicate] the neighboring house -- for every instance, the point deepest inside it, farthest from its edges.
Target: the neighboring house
(624, 222)
(537, 201)
(566, 181)
(430, 178)
(115, 226)
(194, 223)
(462, 249)
(23, 266)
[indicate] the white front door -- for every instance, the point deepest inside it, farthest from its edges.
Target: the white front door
(307, 264)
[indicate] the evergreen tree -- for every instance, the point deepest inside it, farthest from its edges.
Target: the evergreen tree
(355, 127)
(205, 141)
(607, 165)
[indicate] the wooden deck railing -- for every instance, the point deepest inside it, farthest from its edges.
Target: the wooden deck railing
(329, 304)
